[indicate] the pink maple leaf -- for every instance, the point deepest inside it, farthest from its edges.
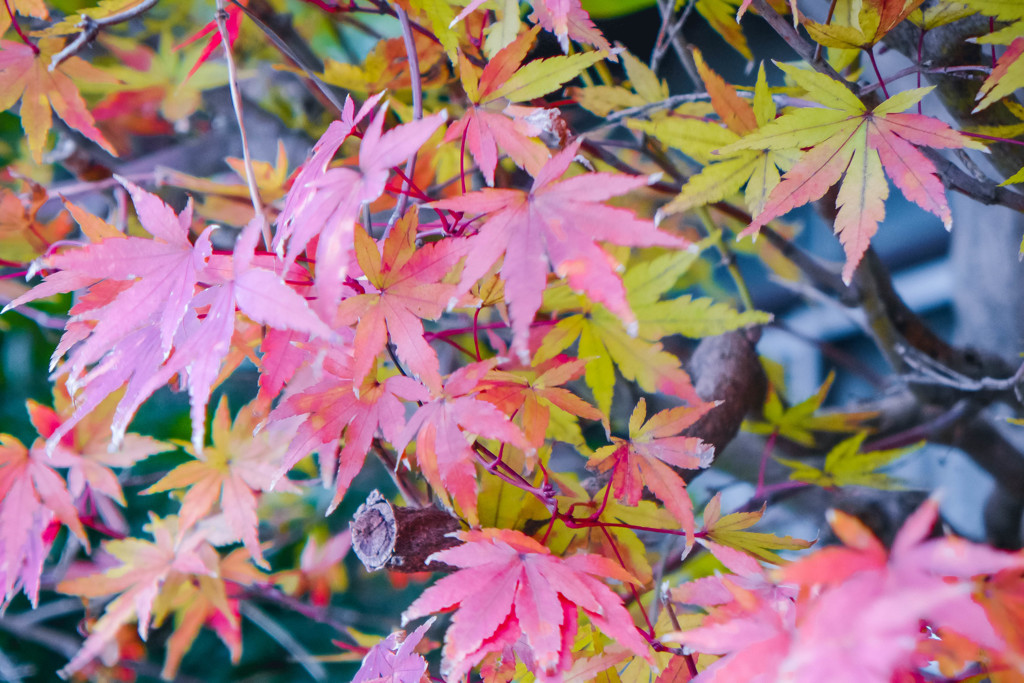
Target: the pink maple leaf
(139, 294)
(565, 18)
(32, 494)
(510, 587)
(485, 125)
(394, 659)
(556, 223)
(86, 452)
(328, 199)
(205, 335)
(442, 427)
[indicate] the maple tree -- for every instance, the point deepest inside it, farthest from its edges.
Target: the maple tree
(488, 260)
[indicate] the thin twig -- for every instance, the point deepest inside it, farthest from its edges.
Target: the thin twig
(643, 110)
(417, 111)
(797, 42)
(91, 28)
(236, 102)
(285, 639)
(284, 48)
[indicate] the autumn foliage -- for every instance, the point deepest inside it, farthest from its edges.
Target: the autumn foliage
(477, 291)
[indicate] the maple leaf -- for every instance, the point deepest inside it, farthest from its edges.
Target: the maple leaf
(25, 76)
(157, 76)
(23, 236)
(752, 631)
(845, 465)
(198, 600)
(335, 405)
(849, 141)
(139, 294)
(647, 459)
(402, 287)
(508, 587)
(875, 20)
(867, 597)
(201, 343)
(645, 88)
(232, 24)
(328, 200)
(730, 531)
(1006, 77)
(85, 451)
(442, 426)
(798, 422)
(608, 346)
(565, 18)
(486, 125)
(556, 223)
(321, 570)
(394, 659)
(231, 473)
(143, 569)
(724, 174)
(32, 494)
(531, 393)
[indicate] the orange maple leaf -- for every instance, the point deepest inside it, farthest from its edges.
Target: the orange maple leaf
(25, 76)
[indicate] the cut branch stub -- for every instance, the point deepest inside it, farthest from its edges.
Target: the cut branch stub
(400, 538)
(726, 368)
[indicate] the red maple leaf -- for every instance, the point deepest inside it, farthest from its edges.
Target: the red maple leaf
(556, 223)
(510, 587)
(442, 426)
(403, 286)
(648, 457)
(25, 76)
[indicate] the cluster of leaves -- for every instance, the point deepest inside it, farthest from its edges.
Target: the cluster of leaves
(461, 281)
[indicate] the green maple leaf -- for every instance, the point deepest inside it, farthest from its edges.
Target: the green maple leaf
(725, 174)
(846, 465)
(730, 531)
(639, 358)
(797, 423)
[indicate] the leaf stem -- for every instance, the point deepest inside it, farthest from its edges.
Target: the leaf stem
(874, 65)
(236, 103)
(17, 29)
(1009, 141)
